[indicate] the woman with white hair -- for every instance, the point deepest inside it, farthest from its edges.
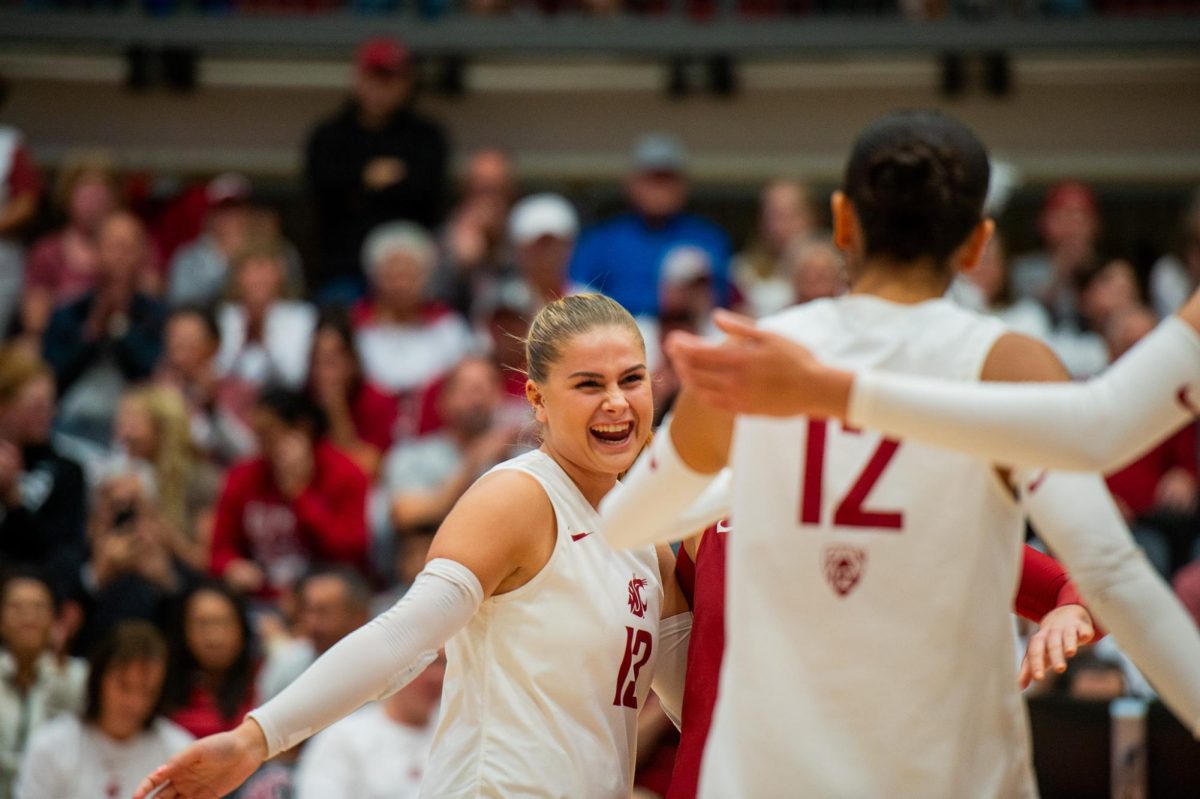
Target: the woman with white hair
(407, 341)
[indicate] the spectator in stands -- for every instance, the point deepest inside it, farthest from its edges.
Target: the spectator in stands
(543, 229)
(380, 752)
(63, 265)
(301, 501)
(200, 270)
(42, 493)
(475, 249)
(37, 682)
(993, 277)
(152, 426)
(108, 338)
(785, 215)
(1101, 292)
(1069, 225)
(211, 668)
(218, 408)
(624, 256)
(816, 267)
(427, 476)
(331, 603)
(374, 161)
(1175, 275)
(132, 572)
(361, 416)
(20, 191)
(265, 338)
(121, 737)
(1158, 492)
(406, 340)
(502, 318)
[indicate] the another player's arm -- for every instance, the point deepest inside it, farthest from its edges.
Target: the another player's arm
(1047, 597)
(673, 472)
(1076, 516)
(498, 536)
(674, 633)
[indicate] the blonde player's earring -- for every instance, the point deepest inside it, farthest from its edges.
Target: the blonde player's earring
(535, 401)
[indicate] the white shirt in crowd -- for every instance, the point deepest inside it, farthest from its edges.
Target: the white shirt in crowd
(70, 759)
(401, 358)
(366, 755)
(282, 354)
(57, 688)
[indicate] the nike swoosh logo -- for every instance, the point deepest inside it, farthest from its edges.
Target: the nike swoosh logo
(723, 526)
(579, 536)
(1186, 401)
(1037, 481)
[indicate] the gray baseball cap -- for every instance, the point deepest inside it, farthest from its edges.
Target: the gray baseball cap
(659, 152)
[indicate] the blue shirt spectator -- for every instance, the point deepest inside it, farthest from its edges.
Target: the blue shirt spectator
(624, 256)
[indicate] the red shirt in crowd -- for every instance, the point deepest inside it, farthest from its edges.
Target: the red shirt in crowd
(374, 415)
(201, 716)
(325, 523)
(1044, 586)
(1137, 484)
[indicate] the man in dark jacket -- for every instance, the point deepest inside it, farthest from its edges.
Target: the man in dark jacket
(373, 161)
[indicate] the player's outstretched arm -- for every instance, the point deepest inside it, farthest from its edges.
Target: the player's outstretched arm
(1096, 426)
(482, 543)
(669, 477)
(1047, 596)
(1076, 516)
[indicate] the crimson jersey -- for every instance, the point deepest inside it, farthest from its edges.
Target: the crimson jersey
(1044, 586)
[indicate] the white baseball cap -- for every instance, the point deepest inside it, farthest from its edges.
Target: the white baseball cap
(686, 264)
(542, 215)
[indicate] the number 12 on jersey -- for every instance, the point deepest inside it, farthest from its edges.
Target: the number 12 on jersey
(850, 510)
(638, 646)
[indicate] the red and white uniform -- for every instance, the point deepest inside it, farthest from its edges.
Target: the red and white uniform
(544, 684)
(849, 670)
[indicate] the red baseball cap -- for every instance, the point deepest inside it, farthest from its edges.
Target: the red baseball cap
(383, 54)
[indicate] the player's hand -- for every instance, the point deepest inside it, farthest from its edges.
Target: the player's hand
(757, 372)
(211, 767)
(1059, 636)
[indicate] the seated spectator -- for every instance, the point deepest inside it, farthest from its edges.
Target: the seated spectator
(1158, 492)
(42, 492)
(624, 257)
(993, 277)
(301, 501)
(132, 572)
(426, 477)
(211, 668)
(381, 751)
(63, 265)
(542, 229)
(265, 339)
(37, 682)
(361, 417)
(20, 192)
(218, 408)
(200, 269)
(331, 603)
(1069, 225)
(785, 215)
(1101, 292)
(107, 339)
(406, 340)
(475, 251)
(152, 426)
(816, 268)
(1175, 275)
(502, 318)
(121, 737)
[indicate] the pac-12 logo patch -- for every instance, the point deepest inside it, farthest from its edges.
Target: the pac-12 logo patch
(844, 567)
(637, 605)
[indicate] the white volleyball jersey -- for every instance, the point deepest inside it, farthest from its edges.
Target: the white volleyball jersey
(543, 686)
(870, 582)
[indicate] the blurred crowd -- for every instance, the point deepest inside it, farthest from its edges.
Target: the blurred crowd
(218, 456)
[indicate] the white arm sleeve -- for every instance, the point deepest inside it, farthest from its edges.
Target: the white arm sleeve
(375, 660)
(1076, 516)
(653, 497)
(670, 669)
(1098, 426)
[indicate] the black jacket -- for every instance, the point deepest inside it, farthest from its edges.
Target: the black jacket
(346, 210)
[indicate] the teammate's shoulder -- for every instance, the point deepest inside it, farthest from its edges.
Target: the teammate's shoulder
(792, 316)
(1018, 357)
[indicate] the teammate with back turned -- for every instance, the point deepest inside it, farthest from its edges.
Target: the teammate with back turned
(552, 637)
(894, 683)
